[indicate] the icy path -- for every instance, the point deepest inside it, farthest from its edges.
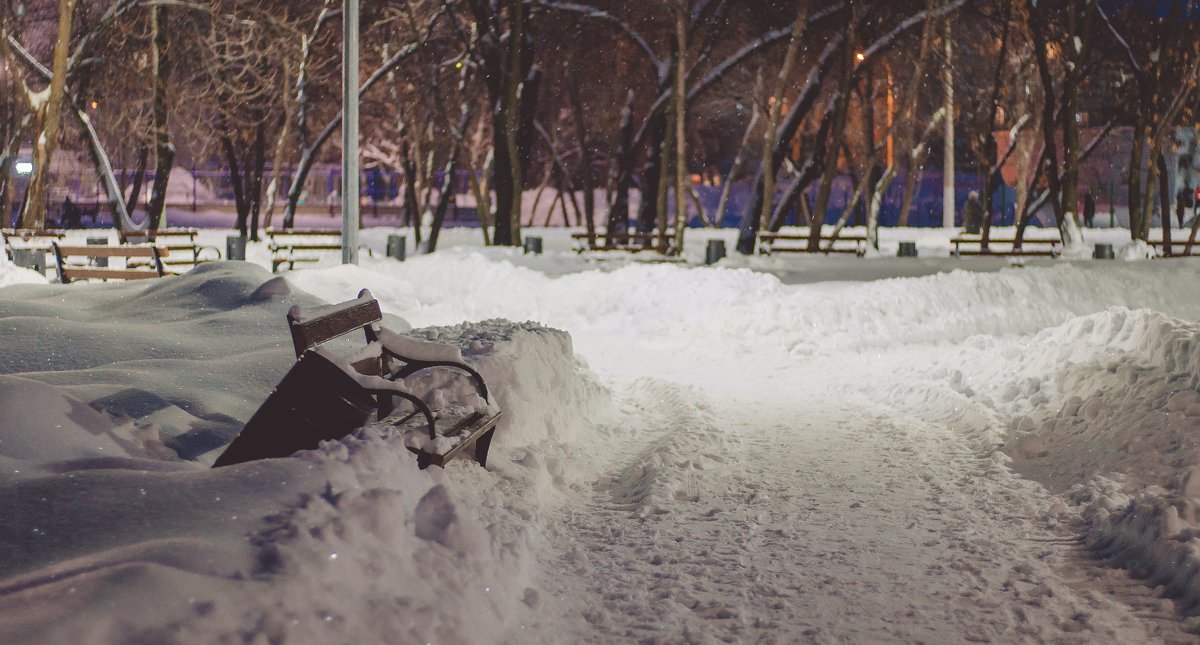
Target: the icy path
(819, 517)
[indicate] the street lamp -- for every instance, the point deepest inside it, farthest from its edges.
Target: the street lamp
(350, 132)
(24, 167)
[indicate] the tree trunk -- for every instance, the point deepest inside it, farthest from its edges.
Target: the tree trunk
(664, 181)
(989, 144)
(49, 119)
(774, 108)
(511, 121)
(260, 160)
(139, 178)
(586, 172)
(841, 107)
(1164, 199)
(164, 151)
(681, 174)
(239, 188)
(622, 175)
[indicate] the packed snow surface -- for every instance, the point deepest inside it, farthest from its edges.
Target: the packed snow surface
(747, 453)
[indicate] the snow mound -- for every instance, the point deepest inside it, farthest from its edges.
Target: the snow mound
(1103, 409)
(546, 394)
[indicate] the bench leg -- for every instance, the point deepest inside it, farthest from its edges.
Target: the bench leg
(481, 447)
(424, 460)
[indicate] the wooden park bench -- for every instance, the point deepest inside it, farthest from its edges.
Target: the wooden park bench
(183, 250)
(91, 262)
(325, 397)
(845, 243)
(1006, 246)
(1178, 247)
(629, 241)
(292, 245)
(28, 247)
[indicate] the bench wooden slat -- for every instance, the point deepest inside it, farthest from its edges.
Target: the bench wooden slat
(29, 234)
(1006, 246)
(824, 238)
(112, 274)
(768, 243)
(1037, 252)
(633, 242)
(303, 231)
(112, 251)
(289, 246)
(311, 332)
(476, 437)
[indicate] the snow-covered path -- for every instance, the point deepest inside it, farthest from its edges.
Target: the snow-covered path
(816, 519)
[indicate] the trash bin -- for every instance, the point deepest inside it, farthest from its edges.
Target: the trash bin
(533, 245)
(1104, 252)
(397, 247)
(235, 248)
(907, 250)
(714, 251)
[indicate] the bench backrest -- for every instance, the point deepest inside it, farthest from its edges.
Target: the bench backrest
(137, 237)
(67, 273)
(328, 323)
(297, 232)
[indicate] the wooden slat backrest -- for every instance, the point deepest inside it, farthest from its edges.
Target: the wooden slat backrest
(112, 251)
(310, 332)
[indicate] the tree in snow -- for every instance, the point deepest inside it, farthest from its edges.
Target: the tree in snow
(1162, 58)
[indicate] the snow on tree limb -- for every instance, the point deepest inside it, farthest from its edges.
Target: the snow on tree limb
(1137, 68)
(604, 16)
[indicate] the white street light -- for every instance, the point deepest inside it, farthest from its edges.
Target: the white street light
(24, 167)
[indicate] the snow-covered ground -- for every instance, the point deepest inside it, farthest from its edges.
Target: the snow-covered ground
(786, 449)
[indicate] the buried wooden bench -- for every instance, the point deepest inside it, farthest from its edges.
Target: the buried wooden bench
(292, 245)
(630, 241)
(326, 397)
(68, 262)
(844, 243)
(1006, 246)
(183, 249)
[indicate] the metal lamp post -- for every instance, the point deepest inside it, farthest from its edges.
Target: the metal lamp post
(350, 132)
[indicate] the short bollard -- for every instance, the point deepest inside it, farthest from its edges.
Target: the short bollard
(34, 259)
(533, 245)
(98, 241)
(714, 251)
(907, 250)
(235, 248)
(1104, 252)
(397, 247)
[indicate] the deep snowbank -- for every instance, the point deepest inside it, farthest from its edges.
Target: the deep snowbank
(115, 397)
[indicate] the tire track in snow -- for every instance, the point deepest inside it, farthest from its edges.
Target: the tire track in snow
(814, 522)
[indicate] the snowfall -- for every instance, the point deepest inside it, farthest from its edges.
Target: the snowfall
(768, 450)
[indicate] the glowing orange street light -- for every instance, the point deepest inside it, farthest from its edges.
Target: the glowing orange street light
(860, 56)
